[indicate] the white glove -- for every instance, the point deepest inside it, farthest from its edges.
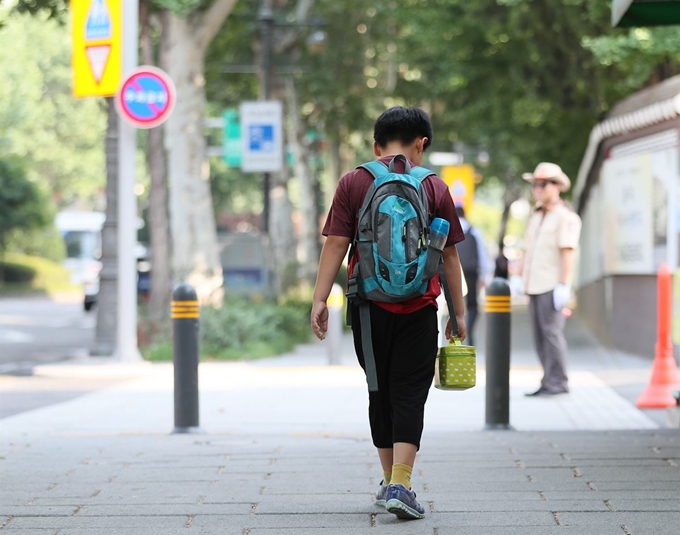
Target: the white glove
(516, 285)
(561, 295)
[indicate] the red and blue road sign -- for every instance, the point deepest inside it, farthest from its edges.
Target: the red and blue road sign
(146, 97)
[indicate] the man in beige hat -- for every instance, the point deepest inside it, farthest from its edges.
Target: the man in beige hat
(549, 244)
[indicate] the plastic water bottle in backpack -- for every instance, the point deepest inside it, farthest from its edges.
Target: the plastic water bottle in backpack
(439, 233)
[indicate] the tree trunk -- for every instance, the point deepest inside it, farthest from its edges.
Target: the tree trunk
(282, 243)
(194, 238)
(510, 195)
(308, 221)
(107, 300)
(319, 200)
(504, 223)
(334, 165)
(156, 159)
(282, 234)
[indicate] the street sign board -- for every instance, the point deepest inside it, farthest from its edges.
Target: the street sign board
(445, 158)
(97, 47)
(636, 13)
(231, 138)
(261, 136)
(146, 97)
(461, 182)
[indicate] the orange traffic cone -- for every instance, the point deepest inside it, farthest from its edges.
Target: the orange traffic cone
(665, 376)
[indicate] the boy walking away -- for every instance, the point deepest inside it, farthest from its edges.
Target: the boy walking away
(397, 341)
(474, 260)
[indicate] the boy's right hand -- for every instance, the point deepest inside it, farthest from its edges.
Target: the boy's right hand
(319, 319)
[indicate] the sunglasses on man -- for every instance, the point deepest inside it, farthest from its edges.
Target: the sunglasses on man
(542, 183)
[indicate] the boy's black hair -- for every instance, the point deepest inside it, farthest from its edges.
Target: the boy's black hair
(404, 125)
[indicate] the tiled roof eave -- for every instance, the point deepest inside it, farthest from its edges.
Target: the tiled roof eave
(656, 113)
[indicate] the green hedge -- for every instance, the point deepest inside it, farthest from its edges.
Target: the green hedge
(243, 330)
(29, 273)
(11, 273)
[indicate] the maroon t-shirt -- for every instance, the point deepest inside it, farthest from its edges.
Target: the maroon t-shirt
(347, 201)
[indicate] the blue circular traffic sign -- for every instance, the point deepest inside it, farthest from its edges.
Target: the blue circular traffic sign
(146, 97)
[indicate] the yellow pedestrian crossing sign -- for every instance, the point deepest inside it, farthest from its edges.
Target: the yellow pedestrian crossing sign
(97, 47)
(461, 182)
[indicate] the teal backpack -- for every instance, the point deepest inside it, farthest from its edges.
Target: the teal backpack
(392, 234)
(394, 262)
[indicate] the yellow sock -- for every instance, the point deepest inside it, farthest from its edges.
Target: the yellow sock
(401, 474)
(387, 477)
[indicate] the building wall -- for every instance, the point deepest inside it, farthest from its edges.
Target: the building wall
(631, 224)
(621, 311)
(592, 309)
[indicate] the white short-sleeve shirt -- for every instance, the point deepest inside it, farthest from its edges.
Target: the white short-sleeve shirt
(548, 232)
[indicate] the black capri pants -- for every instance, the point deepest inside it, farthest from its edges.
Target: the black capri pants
(405, 348)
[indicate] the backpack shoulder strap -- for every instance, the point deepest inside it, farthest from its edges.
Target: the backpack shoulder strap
(367, 346)
(449, 299)
(421, 173)
(376, 168)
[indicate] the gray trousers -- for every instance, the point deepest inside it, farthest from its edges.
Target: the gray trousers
(551, 346)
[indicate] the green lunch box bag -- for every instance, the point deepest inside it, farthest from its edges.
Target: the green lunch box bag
(456, 367)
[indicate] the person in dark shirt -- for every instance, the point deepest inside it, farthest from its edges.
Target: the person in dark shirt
(405, 335)
(474, 260)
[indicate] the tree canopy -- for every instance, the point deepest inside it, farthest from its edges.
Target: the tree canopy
(22, 204)
(523, 79)
(58, 138)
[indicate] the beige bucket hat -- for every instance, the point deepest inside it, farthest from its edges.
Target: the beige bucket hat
(549, 171)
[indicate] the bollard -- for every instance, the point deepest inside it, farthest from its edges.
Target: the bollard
(497, 310)
(335, 304)
(185, 358)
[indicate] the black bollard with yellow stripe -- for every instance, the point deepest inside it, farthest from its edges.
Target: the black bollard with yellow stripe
(497, 310)
(185, 313)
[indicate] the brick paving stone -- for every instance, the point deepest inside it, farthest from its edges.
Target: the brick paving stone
(36, 510)
(277, 521)
(529, 530)
(160, 509)
(651, 520)
(510, 505)
(648, 504)
(528, 518)
(114, 522)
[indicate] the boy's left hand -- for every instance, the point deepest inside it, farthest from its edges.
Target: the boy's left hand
(319, 319)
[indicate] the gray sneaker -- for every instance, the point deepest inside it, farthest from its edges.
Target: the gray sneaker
(380, 495)
(402, 502)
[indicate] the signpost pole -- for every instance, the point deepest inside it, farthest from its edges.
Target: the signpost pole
(127, 350)
(267, 20)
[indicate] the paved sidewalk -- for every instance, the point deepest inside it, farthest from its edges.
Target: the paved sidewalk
(287, 451)
(481, 483)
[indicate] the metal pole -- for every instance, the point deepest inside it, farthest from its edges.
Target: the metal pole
(185, 349)
(497, 311)
(267, 21)
(127, 205)
(106, 332)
